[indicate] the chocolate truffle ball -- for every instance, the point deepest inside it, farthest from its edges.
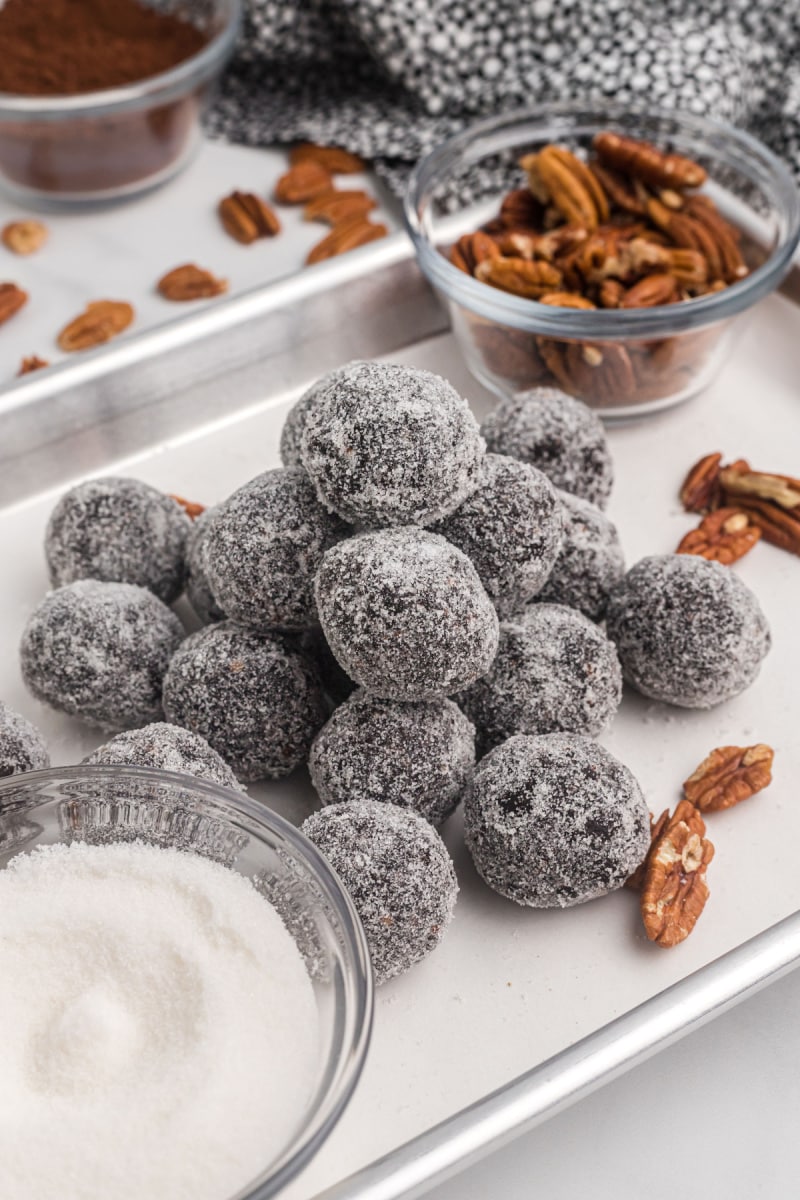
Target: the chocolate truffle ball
(559, 435)
(22, 747)
(589, 562)
(295, 423)
(417, 754)
(263, 547)
(165, 747)
(391, 445)
(198, 591)
(554, 821)
(554, 671)
(511, 529)
(398, 874)
(406, 614)
(255, 698)
(118, 530)
(687, 631)
(336, 683)
(100, 651)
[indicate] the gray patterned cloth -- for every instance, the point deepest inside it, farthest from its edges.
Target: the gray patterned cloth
(390, 79)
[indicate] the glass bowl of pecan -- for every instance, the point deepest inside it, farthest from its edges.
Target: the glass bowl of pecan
(606, 251)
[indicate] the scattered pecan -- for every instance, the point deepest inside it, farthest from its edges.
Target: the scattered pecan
(347, 235)
(700, 488)
(646, 162)
(728, 775)
(335, 160)
(12, 299)
(771, 501)
(101, 321)
(24, 237)
(518, 276)
(334, 207)
(190, 507)
(557, 176)
(674, 889)
(651, 291)
(246, 217)
(723, 536)
(635, 881)
(306, 180)
(190, 283)
(30, 363)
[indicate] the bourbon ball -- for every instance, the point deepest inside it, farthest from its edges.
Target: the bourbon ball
(295, 423)
(589, 562)
(198, 591)
(22, 747)
(163, 747)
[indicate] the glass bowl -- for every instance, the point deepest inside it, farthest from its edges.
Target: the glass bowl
(621, 362)
(70, 151)
(109, 804)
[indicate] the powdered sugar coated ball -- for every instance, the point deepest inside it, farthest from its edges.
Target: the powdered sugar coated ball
(398, 874)
(263, 547)
(406, 614)
(418, 755)
(687, 631)
(100, 651)
(22, 747)
(511, 529)
(198, 590)
(391, 445)
(255, 698)
(558, 434)
(589, 562)
(295, 423)
(164, 747)
(554, 671)
(118, 530)
(554, 821)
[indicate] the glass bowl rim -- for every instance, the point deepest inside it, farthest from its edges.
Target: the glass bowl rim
(308, 1140)
(159, 88)
(612, 324)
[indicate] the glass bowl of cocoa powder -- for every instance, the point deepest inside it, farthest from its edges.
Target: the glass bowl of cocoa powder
(603, 250)
(100, 101)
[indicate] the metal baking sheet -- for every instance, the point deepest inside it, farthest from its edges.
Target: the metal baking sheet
(518, 1012)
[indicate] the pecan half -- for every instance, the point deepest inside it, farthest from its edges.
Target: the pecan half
(518, 276)
(190, 507)
(246, 217)
(24, 237)
(334, 207)
(190, 283)
(347, 235)
(101, 321)
(700, 488)
(646, 162)
(12, 299)
(723, 536)
(771, 500)
(611, 293)
(520, 210)
(562, 179)
(620, 191)
(335, 160)
(674, 888)
(651, 291)
(566, 300)
(473, 248)
(729, 775)
(304, 181)
(32, 363)
(636, 880)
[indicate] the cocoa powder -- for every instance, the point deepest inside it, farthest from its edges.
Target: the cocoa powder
(69, 47)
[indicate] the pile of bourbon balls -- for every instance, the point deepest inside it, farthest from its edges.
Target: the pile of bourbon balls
(423, 611)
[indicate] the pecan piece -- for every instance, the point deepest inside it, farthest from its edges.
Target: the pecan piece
(621, 191)
(304, 181)
(674, 888)
(651, 291)
(646, 162)
(334, 207)
(190, 507)
(636, 880)
(190, 283)
(566, 300)
(729, 775)
(611, 293)
(561, 178)
(520, 209)
(474, 248)
(723, 536)
(24, 237)
(725, 237)
(101, 321)
(335, 160)
(603, 373)
(518, 276)
(12, 299)
(30, 363)
(700, 488)
(772, 502)
(246, 217)
(347, 235)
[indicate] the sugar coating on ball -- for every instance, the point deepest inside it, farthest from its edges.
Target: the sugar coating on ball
(405, 613)
(554, 821)
(336, 683)
(118, 530)
(255, 698)
(198, 591)
(418, 755)
(295, 423)
(398, 874)
(511, 530)
(22, 747)
(164, 747)
(99, 651)
(386, 444)
(589, 562)
(687, 631)
(263, 547)
(554, 671)
(558, 434)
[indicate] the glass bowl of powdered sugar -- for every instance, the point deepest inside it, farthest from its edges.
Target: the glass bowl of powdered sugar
(187, 982)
